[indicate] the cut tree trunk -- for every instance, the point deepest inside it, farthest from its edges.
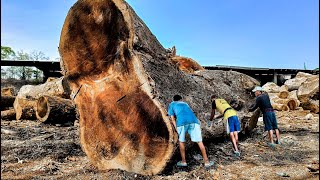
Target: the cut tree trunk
(271, 87)
(7, 91)
(312, 105)
(53, 87)
(283, 92)
(123, 80)
(8, 114)
(52, 109)
(25, 108)
(280, 107)
(7, 101)
(309, 90)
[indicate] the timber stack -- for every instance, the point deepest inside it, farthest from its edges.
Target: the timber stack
(301, 92)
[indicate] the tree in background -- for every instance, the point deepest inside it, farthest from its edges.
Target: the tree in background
(7, 52)
(38, 55)
(22, 72)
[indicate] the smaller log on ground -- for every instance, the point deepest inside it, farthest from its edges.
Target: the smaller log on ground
(283, 92)
(53, 87)
(271, 87)
(309, 89)
(25, 108)
(52, 109)
(7, 91)
(312, 105)
(7, 101)
(280, 107)
(8, 114)
(293, 95)
(291, 103)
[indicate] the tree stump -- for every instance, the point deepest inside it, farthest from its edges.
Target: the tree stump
(122, 82)
(24, 108)
(7, 91)
(52, 109)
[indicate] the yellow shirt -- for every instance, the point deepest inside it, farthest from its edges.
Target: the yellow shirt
(222, 105)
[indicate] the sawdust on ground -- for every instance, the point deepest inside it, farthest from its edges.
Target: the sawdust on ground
(31, 150)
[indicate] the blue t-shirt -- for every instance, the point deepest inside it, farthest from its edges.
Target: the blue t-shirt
(183, 113)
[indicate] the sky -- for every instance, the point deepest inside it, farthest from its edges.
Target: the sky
(249, 33)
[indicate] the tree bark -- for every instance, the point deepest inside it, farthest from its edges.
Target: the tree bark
(54, 87)
(52, 109)
(8, 114)
(7, 101)
(25, 108)
(122, 81)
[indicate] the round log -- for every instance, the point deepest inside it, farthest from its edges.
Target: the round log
(309, 89)
(280, 107)
(25, 108)
(122, 82)
(51, 109)
(7, 101)
(7, 91)
(283, 92)
(8, 114)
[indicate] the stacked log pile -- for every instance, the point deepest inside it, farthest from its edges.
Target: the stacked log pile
(6, 103)
(301, 91)
(51, 99)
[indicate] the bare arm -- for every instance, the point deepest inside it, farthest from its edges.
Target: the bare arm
(213, 111)
(173, 120)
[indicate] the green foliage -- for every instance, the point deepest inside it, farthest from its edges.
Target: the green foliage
(6, 52)
(22, 72)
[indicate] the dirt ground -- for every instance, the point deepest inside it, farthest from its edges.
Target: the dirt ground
(32, 150)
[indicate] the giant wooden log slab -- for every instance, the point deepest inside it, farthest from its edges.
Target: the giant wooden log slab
(122, 81)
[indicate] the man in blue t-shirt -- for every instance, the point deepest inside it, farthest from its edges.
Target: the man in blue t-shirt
(185, 121)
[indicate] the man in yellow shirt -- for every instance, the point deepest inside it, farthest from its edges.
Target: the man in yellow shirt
(230, 115)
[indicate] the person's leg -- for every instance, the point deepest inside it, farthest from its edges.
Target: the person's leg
(182, 133)
(233, 140)
(275, 127)
(270, 132)
(182, 152)
(268, 125)
(195, 135)
(203, 152)
(277, 135)
(237, 129)
(232, 127)
(236, 138)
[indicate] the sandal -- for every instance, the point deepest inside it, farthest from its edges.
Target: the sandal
(180, 164)
(209, 165)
